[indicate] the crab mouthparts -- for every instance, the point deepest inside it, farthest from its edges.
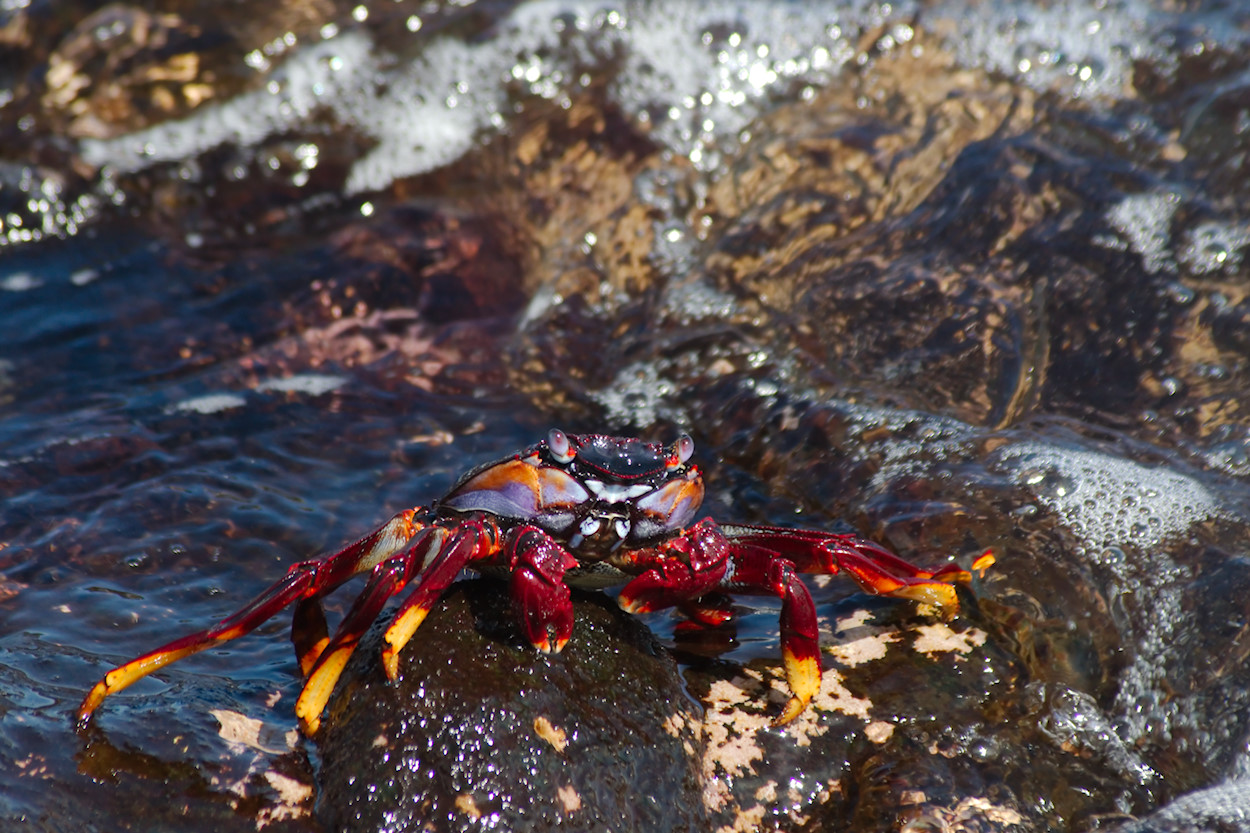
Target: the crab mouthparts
(591, 527)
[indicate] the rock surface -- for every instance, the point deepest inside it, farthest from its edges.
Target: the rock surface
(483, 732)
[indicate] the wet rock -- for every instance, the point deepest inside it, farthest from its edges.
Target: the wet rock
(483, 732)
(1224, 808)
(845, 292)
(898, 694)
(122, 68)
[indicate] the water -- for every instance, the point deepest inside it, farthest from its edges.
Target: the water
(266, 279)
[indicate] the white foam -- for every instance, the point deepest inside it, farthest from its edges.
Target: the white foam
(693, 76)
(637, 397)
(313, 384)
(677, 77)
(1109, 501)
(326, 74)
(1214, 247)
(1145, 220)
(1225, 806)
(210, 403)
(1083, 48)
(20, 282)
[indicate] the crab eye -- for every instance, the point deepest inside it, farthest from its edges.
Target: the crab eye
(684, 448)
(558, 445)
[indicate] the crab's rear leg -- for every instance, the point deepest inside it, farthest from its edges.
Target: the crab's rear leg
(433, 560)
(309, 633)
(306, 580)
(875, 569)
(473, 541)
(686, 569)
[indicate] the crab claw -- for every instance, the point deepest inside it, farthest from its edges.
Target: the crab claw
(538, 592)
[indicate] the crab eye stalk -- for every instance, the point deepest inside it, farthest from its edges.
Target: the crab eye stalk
(559, 446)
(683, 448)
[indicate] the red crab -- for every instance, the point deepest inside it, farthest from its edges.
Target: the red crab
(588, 511)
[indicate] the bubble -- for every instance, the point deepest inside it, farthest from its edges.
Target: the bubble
(1070, 45)
(1145, 220)
(313, 384)
(1093, 494)
(20, 282)
(637, 397)
(711, 70)
(1214, 247)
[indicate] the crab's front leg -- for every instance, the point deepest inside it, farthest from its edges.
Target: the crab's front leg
(677, 572)
(541, 599)
(762, 571)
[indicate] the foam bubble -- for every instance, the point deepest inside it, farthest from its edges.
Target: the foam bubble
(20, 282)
(329, 73)
(637, 397)
(1087, 49)
(210, 403)
(694, 75)
(1107, 501)
(1145, 220)
(1214, 247)
(1225, 806)
(313, 384)
(1110, 502)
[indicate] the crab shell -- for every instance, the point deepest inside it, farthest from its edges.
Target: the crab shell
(597, 495)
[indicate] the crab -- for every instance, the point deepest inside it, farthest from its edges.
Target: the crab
(586, 511)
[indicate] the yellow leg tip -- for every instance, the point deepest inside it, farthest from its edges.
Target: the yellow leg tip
(549, 646)
(91, 702)
(794, 708)
(984, 562)
(312, 700)
(390, 663)
(397, 636)
(632, 605)
(803, 676)
(935, 593)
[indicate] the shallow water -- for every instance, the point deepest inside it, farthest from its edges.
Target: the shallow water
(266, 279)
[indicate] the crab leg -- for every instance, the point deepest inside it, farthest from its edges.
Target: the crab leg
(434, 559)
(710, 611)
(703, 560)
(759, 570)
(679, 570)
(538, 590)
(305, 580)
(309, 633)
(875, 569)
(472, 542)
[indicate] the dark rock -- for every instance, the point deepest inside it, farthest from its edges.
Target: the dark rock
(483, 732)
